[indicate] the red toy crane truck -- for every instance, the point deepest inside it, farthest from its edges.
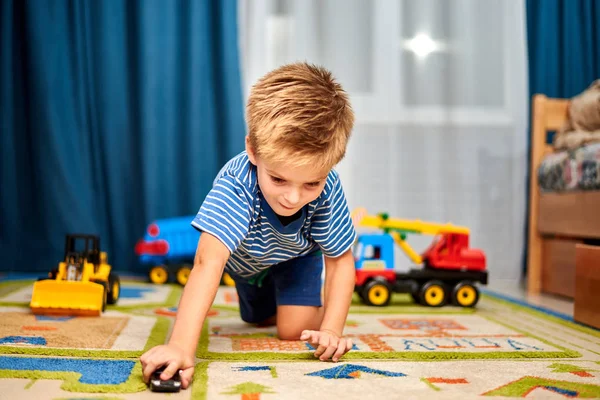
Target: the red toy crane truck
(449, 272)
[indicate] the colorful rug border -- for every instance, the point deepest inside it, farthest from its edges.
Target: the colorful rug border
(162, 326)
(203, 353)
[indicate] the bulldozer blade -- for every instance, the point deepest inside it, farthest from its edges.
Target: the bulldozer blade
(67, 298)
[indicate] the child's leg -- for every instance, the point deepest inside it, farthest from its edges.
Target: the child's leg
(257, 304)
(292, 320)
(298, 285)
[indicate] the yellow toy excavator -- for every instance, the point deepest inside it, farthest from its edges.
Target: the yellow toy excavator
(81, 285)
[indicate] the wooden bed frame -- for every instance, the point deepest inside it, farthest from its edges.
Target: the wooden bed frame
(557, 221)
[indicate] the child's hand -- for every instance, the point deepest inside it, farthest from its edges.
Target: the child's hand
(329, 344)
(173, 358)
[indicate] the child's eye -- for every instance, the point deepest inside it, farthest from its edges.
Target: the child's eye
(277, 180)
(313, 184)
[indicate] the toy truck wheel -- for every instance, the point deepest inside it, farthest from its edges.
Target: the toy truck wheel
(416, 298)
(360, 290)
(183, 274)
(465, 294)
(104, 294)
(114, 288)
(377, 293)
(433, 294)
(159, 274)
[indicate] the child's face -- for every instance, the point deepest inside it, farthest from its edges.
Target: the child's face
(288, 188)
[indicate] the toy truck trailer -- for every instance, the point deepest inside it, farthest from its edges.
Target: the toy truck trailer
(168, 249)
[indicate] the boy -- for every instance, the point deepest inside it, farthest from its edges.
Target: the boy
(274, 211)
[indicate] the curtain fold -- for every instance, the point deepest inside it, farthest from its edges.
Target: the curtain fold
(112, 113)
(563, 46)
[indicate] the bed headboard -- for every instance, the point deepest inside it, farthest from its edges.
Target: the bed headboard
(548, 115)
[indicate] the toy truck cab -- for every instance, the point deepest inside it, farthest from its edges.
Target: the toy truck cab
(452, 252)
(374, 257)
(374, 263)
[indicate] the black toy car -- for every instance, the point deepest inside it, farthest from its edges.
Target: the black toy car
(170, 385)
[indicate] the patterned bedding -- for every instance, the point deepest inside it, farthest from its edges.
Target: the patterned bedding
(571, 170)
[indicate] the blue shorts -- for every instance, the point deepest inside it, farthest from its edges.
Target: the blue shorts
(295, 282)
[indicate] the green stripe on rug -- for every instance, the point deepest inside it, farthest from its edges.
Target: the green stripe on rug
(200, 380)
(525, 385)
(391, 355)
(431, 385)
(90, 398)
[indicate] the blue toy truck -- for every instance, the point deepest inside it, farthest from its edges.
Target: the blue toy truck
(168, 249)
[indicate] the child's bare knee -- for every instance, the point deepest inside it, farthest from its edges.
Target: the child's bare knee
(288, 332)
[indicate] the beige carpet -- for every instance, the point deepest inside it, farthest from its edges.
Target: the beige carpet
(401, 351)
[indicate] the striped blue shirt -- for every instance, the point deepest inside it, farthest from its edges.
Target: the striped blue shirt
(236, 213)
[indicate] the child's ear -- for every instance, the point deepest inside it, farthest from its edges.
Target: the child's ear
(250, 151)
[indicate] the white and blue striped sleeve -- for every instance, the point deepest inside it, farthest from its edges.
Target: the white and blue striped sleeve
(225, 212)
(332, 226)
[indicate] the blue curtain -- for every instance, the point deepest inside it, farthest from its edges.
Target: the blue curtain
(563, 46)
(112, 113)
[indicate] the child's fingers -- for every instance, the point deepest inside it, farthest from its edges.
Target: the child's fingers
(147, 371)
(172, 369)
(305, 335)
(322, 345)
(329, 351)
(147, 356)
(314, 337)
(186, 377)
(341, 350)
(327, 346)
(348, 345)
(311, 336)
(317, 338)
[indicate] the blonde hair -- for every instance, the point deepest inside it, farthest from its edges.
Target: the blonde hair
(299, 114)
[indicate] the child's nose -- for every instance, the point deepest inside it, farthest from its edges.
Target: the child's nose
(292, 197)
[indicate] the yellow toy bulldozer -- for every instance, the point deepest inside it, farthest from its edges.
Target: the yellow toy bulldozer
(82, 284)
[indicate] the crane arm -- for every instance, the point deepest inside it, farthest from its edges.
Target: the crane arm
(408, 226)
(413, 255)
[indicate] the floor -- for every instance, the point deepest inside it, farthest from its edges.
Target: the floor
(558, 304)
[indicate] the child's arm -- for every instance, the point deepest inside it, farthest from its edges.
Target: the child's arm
(339, 288)
(198, 295)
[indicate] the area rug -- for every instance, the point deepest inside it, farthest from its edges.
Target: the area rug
(403, 351)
